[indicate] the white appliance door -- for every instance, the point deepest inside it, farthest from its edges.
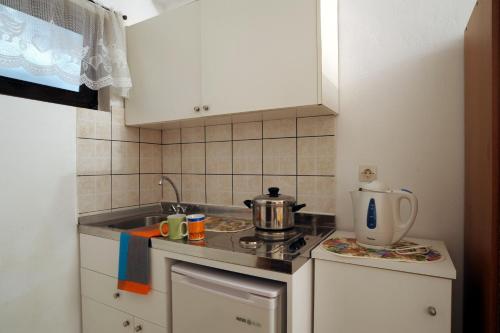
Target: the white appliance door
(202, 306)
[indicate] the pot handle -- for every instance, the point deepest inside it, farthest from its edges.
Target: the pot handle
(248, 203)
(296, 208)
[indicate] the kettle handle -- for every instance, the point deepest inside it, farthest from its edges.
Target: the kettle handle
(401, 227)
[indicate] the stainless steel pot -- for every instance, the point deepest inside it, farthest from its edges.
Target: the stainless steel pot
(273, 211)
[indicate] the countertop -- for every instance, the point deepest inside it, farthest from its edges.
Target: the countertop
(224, 247)
(443, 268)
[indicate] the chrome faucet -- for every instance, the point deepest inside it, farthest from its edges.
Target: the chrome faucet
(176, 208)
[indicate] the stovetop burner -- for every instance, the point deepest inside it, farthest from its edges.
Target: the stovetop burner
(250, 242)
(275, 235)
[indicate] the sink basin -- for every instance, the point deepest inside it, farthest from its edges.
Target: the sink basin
(138, 222)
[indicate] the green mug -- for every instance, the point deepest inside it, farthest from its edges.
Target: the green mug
(177, 226)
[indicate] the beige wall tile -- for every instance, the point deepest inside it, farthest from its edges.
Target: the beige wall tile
(280, 156)
(247, 157)
(125, 157)
(286, 184)
(168, 191)
(93, 124)
(193, 158)
(193, 188)
(150, 158)
(125, 190)
(94, 193)
(218, 133)
(171, 136)
(219, 158)
(219, 189)
(193, 134)
(93, 157)
(245, 117)
(280, 128)
(318, 193)
(244, 131)
(316, 156)
(246, 187)
(313, 126)
(148, 135)
(119, 130)
(171, 158)
(150, 191)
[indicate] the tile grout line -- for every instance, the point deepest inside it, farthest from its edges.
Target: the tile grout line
(232, 166)
(296, 159)
(262, 161)
(205, 150)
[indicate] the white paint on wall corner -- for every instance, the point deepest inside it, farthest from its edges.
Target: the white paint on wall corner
(401, 108)
(39, 276)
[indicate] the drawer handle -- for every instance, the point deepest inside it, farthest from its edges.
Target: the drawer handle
(432, 311)
(126, 323)
(116, 295)
(138, 328)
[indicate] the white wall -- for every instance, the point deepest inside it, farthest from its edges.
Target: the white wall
(401, 109)
(39, 274)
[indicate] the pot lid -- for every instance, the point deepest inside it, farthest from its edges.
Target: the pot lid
(274, 197)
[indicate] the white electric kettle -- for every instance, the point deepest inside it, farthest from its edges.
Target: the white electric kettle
(377, 214)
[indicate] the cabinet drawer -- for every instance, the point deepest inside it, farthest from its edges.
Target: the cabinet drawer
(101, 255)
(351, 298)
(103, 288)
(147, 327)
(99, 318)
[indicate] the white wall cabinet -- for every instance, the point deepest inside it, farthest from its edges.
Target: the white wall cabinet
(164, 55)
(375, 295)
(215, 57)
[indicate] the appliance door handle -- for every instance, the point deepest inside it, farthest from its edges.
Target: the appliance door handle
(215, 289)
(401, 227)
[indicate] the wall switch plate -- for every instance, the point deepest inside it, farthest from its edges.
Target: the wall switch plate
(367, 173)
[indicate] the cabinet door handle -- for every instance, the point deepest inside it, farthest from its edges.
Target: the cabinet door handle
(432, 311)
(126, 323)
(138, 328)
(206, 107)
(197, 109)
(116, 295)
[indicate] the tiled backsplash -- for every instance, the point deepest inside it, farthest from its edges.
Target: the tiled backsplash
(225, 164)
(117, 166)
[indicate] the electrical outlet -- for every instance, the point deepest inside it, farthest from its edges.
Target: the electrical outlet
(367, 173)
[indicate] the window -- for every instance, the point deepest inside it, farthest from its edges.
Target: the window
(41, 60)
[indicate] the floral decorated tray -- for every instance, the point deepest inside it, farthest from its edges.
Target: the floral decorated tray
(348, 247)
(221, 224)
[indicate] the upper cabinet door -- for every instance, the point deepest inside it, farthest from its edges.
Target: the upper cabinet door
(164, 57)
(259, 54)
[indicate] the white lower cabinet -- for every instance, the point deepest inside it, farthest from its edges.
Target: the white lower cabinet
(354, 295)
(105, 308)
(352, 298)
(100, 318)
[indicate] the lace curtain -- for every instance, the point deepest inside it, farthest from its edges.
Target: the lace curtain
(90, 50)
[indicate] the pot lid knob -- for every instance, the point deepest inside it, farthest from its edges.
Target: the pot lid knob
(274, 192)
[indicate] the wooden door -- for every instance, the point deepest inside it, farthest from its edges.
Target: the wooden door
(259, 54)
(481, 169)
(164, 58)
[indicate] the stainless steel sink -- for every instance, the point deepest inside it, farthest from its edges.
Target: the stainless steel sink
(138, 222)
